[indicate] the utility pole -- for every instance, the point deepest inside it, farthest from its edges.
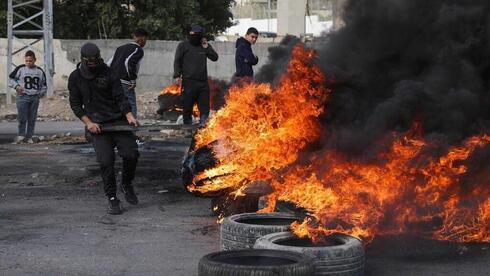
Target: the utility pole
(33, 20)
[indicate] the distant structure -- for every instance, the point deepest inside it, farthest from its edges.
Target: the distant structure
(31, 20)
(281, 17)
(337, 13)
(291, 15)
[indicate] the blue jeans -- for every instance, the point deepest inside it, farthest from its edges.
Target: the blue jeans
(131, 96)
(27, 114)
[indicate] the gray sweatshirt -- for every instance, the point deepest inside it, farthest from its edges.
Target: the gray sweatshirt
(33, 80)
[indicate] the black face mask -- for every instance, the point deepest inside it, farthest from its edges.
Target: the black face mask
(195, 39)
(90, 72)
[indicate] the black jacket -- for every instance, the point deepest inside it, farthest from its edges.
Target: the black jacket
(190, 61)
(126, 61)
(244, 58)
(101, 98)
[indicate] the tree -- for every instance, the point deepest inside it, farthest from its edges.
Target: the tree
(3, 19)
(163, 19)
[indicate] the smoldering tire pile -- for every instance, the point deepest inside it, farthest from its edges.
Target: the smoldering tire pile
(261, 244)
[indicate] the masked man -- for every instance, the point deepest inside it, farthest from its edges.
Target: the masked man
(190, 68)
(96, 97)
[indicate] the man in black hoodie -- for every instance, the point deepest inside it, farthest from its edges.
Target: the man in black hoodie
(96, 97)
(190, 68)
(244, 57)
(126, 63)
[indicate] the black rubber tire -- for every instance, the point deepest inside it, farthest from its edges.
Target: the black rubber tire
(236, 234)
(243, 263)
(343, 260)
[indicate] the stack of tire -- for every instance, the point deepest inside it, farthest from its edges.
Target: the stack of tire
(242, 230)
(277, 251)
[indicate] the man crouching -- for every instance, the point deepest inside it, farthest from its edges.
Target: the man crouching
(96, 97)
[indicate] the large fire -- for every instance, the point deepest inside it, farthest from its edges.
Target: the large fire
(262, 129)
(414, 186)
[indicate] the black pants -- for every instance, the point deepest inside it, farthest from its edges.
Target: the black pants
(127, 148)
(195, 91)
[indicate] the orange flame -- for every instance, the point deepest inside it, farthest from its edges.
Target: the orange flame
(408, 188)
(174, 88)
(262, 128)
(404, 191)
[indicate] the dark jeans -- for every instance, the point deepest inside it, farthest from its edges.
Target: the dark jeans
(131, 96)
(195, 91)
(104, 144)
(27, 114)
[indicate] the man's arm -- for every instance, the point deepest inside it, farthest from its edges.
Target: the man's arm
(121, 100)
(14, 77)
(178, 60)
(132, 62)
(118, 95)
(43, 87)
(211, 53)
(248, 55)
(75, 98)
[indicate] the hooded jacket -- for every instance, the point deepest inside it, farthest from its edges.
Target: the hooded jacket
(244, 58)
(126, 62)
(190, 61)
(101, 98)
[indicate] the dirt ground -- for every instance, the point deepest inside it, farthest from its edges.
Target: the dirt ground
(57, 108)
(53, 218)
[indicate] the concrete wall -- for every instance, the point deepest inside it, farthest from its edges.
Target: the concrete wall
(156, 69)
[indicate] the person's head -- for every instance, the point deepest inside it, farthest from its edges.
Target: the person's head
(196, 33)
(90, 55)
(252, 35)
(30, 59)
(140, 36)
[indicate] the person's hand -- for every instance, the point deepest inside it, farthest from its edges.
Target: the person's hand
(178, 81)
(132, 86)
(93, 127)
(19, 89)
(131, 119)
(204, 43)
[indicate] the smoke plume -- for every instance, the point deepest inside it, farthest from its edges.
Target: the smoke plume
(395, 61)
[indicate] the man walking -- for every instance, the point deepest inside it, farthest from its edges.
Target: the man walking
(125, 64)
(96, 97)
(244, 57)
(29, 81)
(190, 68)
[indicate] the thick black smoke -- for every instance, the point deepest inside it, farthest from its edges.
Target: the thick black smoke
(397, 60)
(277, 61)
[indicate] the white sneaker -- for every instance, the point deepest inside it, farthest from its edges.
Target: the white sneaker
(18, 140)
(139, 142)
(30, 141)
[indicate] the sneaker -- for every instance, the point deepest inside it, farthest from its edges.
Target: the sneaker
(30, 141)
(18, 140)
(114, 207)
(129, 194)
(139, 142)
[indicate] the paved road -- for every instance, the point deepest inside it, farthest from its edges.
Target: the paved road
(53, 221)
(45, 128)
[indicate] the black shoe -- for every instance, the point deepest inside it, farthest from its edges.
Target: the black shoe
(129, 194)
(114, 207)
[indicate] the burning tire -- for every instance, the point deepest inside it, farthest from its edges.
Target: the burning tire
(255, 262)
(339, 255)
(242, 230)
